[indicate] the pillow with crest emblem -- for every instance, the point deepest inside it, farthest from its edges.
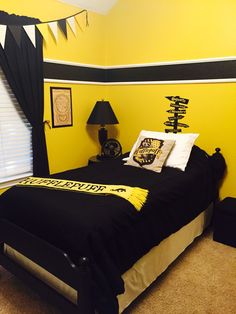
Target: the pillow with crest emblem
(180, 153)
(150, 153)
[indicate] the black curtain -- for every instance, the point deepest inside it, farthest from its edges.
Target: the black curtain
(22, 64)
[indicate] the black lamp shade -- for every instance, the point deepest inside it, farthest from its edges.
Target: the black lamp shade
(102, 114)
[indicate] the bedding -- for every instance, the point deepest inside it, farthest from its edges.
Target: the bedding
(108, 229)
(150, 153)
(179, 155)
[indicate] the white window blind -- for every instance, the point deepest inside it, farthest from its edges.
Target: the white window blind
(16, 159)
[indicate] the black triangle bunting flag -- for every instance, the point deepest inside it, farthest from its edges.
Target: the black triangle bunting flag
(62, 25)
(16, 32)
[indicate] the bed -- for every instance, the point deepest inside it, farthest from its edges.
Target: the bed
(96, 254)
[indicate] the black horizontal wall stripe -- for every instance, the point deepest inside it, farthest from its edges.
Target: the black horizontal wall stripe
(174, 72)
(73, 72)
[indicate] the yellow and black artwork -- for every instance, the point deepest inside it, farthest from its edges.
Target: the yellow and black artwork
(61, 105)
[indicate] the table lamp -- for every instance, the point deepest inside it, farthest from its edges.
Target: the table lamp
(102, 114)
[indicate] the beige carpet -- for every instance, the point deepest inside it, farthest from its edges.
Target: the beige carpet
(201, 281)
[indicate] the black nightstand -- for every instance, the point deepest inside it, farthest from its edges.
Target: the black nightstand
(94, 159)
(225, 222)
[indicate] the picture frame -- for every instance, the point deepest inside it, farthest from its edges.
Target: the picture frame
(61, 106)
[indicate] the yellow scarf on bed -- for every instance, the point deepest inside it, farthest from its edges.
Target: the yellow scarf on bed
(136, 196)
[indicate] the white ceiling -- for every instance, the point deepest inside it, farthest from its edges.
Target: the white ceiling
(98, 6)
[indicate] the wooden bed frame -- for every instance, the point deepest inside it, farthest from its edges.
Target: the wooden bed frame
(59, 264)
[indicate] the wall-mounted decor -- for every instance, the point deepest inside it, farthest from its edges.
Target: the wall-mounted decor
(61, 104)
(178, 110)
(18, 27)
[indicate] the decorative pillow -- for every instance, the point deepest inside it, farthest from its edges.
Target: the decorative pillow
(179, 155)
(150, 153)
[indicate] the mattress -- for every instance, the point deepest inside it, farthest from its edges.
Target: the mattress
(141, 274)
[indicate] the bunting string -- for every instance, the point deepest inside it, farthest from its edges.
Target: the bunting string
(68, 17)
(43, 27)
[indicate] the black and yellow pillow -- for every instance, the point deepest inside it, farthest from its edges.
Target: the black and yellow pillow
(150, 153)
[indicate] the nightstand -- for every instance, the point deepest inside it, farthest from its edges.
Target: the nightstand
(97, 160)
(225, 222)
(94, 159)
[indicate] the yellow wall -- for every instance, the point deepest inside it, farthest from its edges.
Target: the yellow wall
(140, 31)
(210, 113)
(165, 30)
(160, 30)
(70, 147)
(89, 46)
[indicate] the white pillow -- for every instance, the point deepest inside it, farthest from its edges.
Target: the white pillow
(179, 155)
(150, 153)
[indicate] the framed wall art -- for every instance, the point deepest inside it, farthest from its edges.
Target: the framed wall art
(61, 106)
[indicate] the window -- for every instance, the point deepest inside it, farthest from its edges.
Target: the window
(16, 158)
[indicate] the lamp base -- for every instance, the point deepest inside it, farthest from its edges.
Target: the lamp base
(102, 135)
(99, 157)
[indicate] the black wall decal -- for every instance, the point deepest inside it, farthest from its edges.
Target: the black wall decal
(178, 110)
(173, 72)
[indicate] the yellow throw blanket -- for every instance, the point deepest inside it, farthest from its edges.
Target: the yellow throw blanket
(136, 196)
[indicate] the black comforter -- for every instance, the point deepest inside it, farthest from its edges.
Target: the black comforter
(108, 229)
